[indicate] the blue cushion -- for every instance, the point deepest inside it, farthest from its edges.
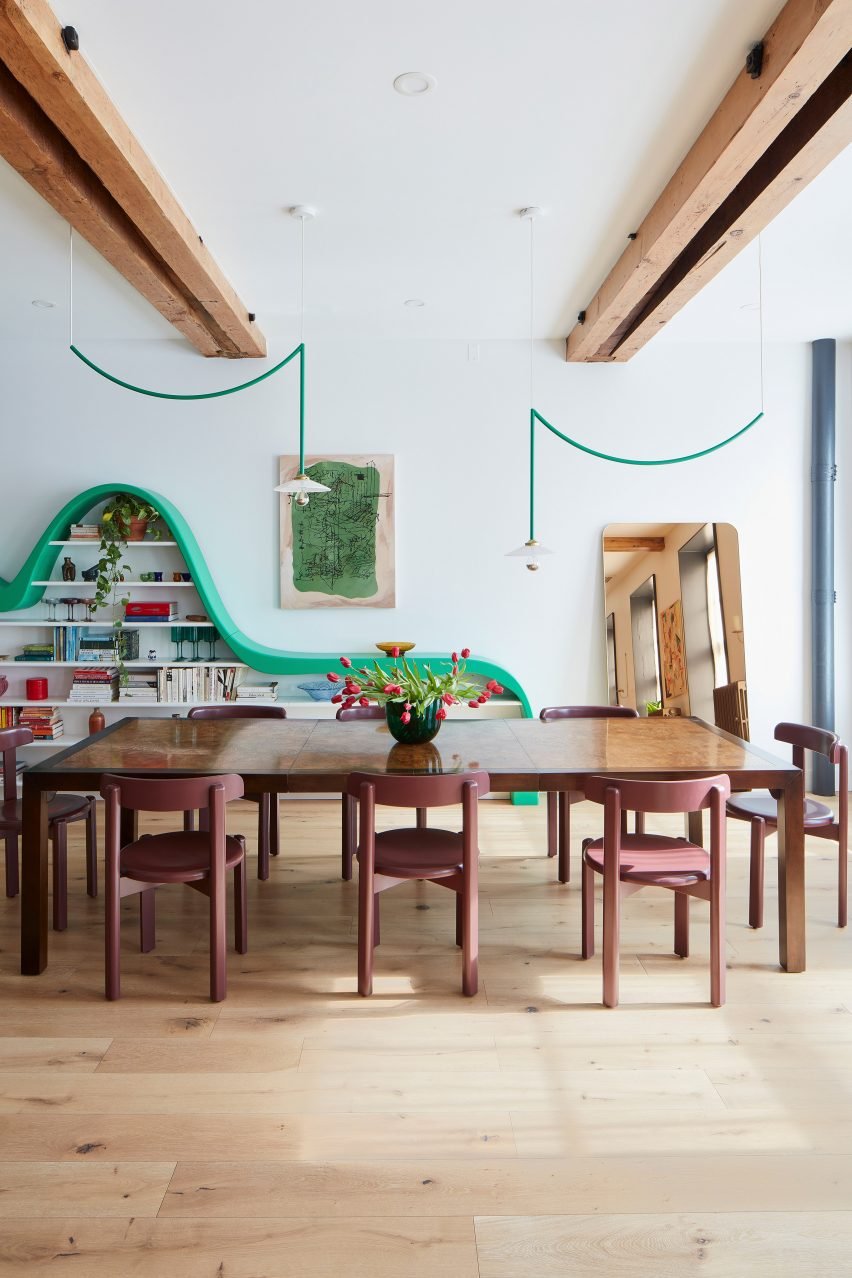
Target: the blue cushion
(318, 689)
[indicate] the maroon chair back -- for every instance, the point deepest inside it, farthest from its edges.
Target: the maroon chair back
(588, 712)
(172, 794)
(10, 740)
(360, 712)
(802, 737)
(237, 712)
(659, 796)
(402, 791)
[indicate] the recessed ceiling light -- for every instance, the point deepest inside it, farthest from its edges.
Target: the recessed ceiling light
(42, 303)
(414, 302)
(413, 83)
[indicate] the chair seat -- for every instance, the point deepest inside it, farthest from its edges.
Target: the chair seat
(414, 854)
(177, 857)
(762, 804)
(64, 807)
(654, 858)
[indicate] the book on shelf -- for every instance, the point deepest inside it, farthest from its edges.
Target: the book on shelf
(44, 722)
(178, 684)
(92, 684)
(8, 717)
(165, 610)
(85, 532)
(258, 691)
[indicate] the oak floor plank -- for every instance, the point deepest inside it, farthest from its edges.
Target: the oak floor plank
(106, 1189)
(733, 1245)
(375, 1247)
(75, 1054)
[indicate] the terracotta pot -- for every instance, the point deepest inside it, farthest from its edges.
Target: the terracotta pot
(137, 530)
(97, 722)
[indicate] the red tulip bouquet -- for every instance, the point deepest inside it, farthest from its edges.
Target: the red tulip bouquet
(415, 698)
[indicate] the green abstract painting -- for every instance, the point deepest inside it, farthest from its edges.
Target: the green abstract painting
(338, 551)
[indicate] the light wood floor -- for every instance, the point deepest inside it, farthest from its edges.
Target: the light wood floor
(297, 1130)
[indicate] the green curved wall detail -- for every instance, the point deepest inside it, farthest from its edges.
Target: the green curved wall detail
(21, 593)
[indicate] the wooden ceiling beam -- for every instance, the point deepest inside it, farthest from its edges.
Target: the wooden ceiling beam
(749, 161)
(71, 97)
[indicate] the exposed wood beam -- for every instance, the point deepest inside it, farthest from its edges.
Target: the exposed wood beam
(72, 98)
(619, 544)
(766, 140)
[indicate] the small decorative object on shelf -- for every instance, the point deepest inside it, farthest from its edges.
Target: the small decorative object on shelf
(90, 574)
(196, 616)
(36, 689)
(152, 654)
(415, 699)
(388, 648)
(4, 684)
(97, 722)
(69, 569)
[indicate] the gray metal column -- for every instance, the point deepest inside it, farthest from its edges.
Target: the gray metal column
(823, 472)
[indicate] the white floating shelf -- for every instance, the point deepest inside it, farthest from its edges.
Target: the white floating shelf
(137, 585)
(59, 744)
(104, 623)
(136, 665)
(96, 541)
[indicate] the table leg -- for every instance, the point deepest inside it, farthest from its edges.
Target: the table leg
(791, 873)
(34, 929)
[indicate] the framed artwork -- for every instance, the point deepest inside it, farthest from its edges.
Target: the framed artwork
(673, 652)
(339, 550)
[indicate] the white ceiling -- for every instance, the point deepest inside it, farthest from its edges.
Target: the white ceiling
(583, 108)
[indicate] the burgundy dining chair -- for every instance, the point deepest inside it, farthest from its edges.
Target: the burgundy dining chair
(629, 862)
(197, 858)
(439, 856)
(559, 802)
(349, 813)
(269, 815)
(62, 810)
(761, 811)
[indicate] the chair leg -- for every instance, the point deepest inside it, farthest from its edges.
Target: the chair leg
(422, 821)
(366, 925)
(348, 821)
(588, 912)
(459, 920)
(12, 881)
(188, 821)
(842, 885)
(611, 938)
(263, 825)
(218, 941)
(639, 827)
(756, 873)
(60, 877)
(681, 924)
(92, 848)
(377, 927)
(113, 939)
(470, 943)
(240, 908)
(552, 819)
(147, 920)
(564, 839)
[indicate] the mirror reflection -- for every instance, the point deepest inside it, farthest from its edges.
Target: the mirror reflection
(674, 631)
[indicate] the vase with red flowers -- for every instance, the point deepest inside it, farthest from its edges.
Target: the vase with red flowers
(416, 697)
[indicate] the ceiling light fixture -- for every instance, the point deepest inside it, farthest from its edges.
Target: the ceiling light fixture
(532, 549)
(413, 84)
(414, 303)
(301, 487)
(42, 303)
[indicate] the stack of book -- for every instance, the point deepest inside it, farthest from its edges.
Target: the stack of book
(44, 722)
(85, 532)
(251, 692)
(162, 610)
(100, 645)
(91, 685)
(35, 652)
(140, 686)
(197, 683)
(7, 716)
(66, 640)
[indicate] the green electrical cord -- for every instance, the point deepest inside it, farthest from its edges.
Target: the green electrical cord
(229, 390)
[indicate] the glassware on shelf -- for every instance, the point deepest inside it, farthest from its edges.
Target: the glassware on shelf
(69, 606)
(210, 637)
(179, 636)
(195, 636)
(51, 605)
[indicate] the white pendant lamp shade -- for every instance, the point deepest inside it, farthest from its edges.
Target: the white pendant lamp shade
(301, 487)
(532, 551)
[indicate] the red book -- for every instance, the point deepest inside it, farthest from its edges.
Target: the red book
(150, 609)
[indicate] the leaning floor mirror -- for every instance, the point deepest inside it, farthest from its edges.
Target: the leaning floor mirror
(674, 630)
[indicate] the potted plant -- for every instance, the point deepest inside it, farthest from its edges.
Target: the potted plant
(415, 698)
(125, 518)
(653, 708)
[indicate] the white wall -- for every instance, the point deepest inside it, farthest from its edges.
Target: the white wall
(459, 432)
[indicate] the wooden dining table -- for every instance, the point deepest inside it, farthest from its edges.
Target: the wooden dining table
(300, 756)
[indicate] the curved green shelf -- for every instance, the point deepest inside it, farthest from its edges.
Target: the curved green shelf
(21, 593)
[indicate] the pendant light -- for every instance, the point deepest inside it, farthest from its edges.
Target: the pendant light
(300, 488)
(532, 550)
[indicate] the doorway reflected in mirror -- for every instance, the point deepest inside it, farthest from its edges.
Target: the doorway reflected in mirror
(674, 631)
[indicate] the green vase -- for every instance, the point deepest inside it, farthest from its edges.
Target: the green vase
(420, 727)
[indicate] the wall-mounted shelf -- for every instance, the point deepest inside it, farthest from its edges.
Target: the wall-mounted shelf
(95, 541)
(135, 624)
(102, 665)
(137, 585)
